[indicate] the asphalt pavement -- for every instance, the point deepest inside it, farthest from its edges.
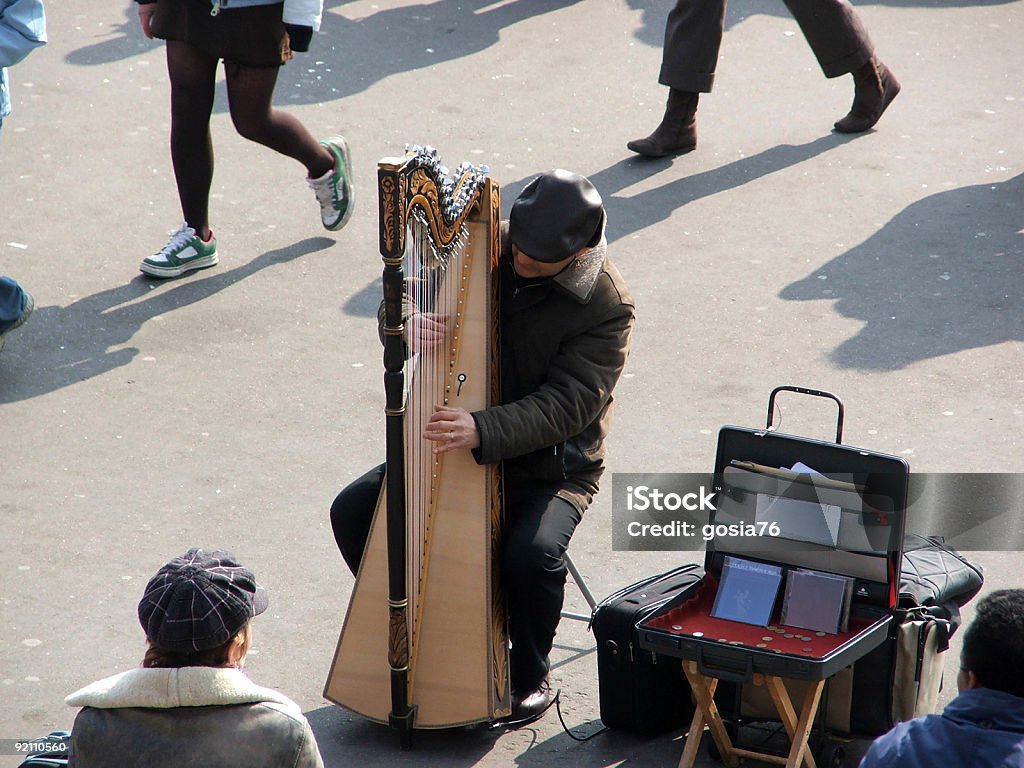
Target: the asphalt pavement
(227, 408)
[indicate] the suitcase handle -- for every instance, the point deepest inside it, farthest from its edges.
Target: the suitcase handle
(806, 391)
(742, 673)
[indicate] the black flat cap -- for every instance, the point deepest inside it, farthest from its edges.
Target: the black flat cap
(556, 215)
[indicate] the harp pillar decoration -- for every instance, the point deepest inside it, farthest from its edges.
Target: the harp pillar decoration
(392, 245)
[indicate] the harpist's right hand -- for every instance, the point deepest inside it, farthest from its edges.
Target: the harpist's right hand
(426, 331)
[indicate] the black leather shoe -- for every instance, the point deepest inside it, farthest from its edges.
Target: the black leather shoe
(677, 132)
(875, 87)
(664, 143)
(532, 705)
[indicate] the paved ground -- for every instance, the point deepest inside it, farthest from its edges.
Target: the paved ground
(228, 407)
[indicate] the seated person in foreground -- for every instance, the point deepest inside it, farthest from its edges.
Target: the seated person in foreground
(983, 727)
(191, 703)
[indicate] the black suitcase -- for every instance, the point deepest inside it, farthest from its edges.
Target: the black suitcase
(869, 490)
(640, 691)
(866, 490)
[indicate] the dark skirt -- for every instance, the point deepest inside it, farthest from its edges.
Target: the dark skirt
(254, 36)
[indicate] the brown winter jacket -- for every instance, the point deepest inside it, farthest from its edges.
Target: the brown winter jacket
(564, 343)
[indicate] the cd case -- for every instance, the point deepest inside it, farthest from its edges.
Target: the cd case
(747, 591)
(816, 600)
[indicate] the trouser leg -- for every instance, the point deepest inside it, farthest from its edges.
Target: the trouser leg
(536, 534)
(12, 302)
(835, 33)
(352, 515)
(693, 37)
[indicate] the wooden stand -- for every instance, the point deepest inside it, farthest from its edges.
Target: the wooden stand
(798, 726)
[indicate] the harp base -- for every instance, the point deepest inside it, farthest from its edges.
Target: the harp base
(403, 724)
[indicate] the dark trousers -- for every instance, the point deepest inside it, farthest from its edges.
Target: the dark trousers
(693, 36)
(537, 531)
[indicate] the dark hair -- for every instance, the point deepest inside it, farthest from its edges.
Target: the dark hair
(158, 657)
(994, 642)
(212, 657)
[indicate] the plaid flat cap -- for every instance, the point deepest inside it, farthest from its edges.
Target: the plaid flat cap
(199, 600)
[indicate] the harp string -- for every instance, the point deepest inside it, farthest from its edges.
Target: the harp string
(434, 287)
(436, 250)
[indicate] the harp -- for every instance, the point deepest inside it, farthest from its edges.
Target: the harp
(424, 643)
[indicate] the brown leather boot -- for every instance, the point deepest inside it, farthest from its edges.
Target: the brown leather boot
(677, 132)
(875, 86)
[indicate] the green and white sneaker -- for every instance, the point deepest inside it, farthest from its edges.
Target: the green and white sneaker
(334, 190)
(185, 251)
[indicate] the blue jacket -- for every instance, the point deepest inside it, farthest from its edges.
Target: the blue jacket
(22, 29)
(980, 728)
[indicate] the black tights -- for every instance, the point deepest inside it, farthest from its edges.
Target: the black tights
(193, 77)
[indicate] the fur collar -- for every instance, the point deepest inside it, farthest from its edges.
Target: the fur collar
(168, 688)
(580, 277)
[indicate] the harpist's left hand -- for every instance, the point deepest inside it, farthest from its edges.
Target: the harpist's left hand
(450, 428)
(426, 331)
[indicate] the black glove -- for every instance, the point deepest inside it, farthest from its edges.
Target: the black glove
(300, 37)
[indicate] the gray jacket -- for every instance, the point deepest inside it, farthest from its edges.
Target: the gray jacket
(193, 716)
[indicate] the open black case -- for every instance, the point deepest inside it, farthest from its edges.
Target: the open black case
(840, 511)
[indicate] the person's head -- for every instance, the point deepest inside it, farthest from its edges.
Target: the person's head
(993, 651)
(196, 611)
(556, 217)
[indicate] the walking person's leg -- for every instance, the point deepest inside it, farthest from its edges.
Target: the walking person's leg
(250, 96)
(841, 45)
(192, 75)
(689, 58)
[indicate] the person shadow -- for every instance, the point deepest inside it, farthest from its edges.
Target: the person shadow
(945, 275)
(128, 40)
(365, 302)
(117, 42)
(61, 346)
(349, 56)
(343, 736)
(411, 35)
(630, 214)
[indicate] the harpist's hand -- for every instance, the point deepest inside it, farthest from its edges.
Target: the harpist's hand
(426, 331)
(451, 428)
